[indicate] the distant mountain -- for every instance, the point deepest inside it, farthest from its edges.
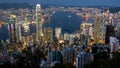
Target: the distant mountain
(115, 3)
(27, 5)
(14, 5)
(114, 9)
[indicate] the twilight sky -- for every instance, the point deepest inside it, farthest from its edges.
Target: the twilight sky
(68, 2)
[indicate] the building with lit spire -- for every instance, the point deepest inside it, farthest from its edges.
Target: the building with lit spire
(39, 21)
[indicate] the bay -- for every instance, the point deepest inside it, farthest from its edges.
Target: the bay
(69, 22)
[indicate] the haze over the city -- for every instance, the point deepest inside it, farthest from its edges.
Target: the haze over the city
(68, 2)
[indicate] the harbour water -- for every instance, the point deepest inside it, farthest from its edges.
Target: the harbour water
(69, 22)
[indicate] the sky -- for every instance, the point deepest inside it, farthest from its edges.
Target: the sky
(68, 2)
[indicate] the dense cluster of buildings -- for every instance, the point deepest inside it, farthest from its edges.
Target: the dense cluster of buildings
(79, 48)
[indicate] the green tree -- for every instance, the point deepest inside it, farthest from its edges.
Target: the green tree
(108, 63)
(28, 59)
(63, 65)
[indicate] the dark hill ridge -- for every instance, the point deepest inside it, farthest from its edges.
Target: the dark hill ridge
(14, 5)
(26, 5)
(115, 9)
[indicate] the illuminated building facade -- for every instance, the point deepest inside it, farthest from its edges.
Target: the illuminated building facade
(97, 29)
(57, 32)
(118, 29)
(18, 31)
(39, 21)
(66, 36)
(86, 28)
(114, 44)
(48, 34)
(12, 29)
(86, 33)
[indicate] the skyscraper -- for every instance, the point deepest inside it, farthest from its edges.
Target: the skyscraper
(83, 58)
(86, 32)
(12, 29)
(48, 34)
(118, 29)
(109, 32)
(114, 43)
(57, 32)
(98, 28)
(39, 21)
(66, 36)
(85, 28)
(18, 31)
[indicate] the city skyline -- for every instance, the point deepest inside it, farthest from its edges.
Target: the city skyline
(68, 2)
(58, 36)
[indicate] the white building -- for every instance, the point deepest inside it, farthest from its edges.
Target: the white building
(91, 32)
(114, 43)
(118, 26)
(39, 21)
(18, 32)
(85, 27)
(26, 29)
(71, 38)
(57, 32)
(66, 36)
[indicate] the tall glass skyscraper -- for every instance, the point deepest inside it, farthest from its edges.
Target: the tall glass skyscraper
(39, 21)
